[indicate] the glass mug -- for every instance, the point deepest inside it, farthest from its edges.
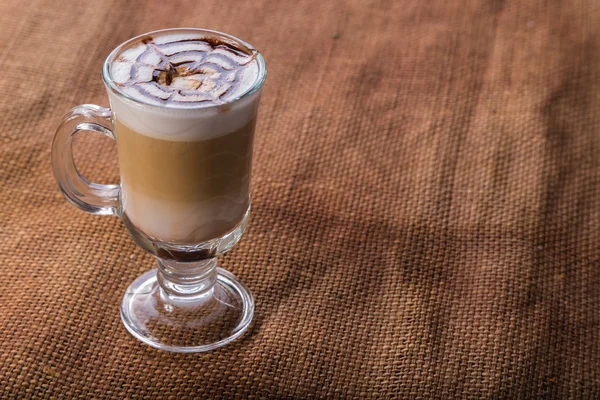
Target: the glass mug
(184, 199)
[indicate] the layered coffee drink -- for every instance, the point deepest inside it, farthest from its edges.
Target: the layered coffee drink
(185, 116)
(183, 111)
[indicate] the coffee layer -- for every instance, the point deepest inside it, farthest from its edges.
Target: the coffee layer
(185, 191)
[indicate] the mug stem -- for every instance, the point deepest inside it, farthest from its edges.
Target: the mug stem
(186, 282)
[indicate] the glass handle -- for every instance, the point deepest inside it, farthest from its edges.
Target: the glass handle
(91, 197)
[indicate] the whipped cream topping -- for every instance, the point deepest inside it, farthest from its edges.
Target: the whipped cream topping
(185, 69)
(184, 84)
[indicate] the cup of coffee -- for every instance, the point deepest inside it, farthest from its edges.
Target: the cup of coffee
(183, 111)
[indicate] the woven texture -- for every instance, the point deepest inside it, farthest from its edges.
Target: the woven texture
(425, 204)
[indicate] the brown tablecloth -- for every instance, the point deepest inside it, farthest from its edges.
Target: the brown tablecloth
(426, 215)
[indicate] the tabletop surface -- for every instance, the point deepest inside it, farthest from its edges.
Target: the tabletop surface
(425, 188)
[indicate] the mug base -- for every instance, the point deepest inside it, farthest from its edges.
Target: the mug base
(187, 325)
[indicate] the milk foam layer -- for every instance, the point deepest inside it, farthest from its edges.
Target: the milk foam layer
(184, 84)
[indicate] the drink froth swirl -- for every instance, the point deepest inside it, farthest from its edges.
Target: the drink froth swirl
(184, 70)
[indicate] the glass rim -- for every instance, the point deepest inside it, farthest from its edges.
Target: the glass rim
(110, 84)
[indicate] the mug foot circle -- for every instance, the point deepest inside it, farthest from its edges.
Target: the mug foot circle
(187, 325)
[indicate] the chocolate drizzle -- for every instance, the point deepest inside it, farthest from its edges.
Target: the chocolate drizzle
(187, 71)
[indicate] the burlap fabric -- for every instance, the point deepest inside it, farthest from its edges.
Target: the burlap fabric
(425, 204)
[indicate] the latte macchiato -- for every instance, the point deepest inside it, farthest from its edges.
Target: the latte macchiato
(185, 126)
(183, 110)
